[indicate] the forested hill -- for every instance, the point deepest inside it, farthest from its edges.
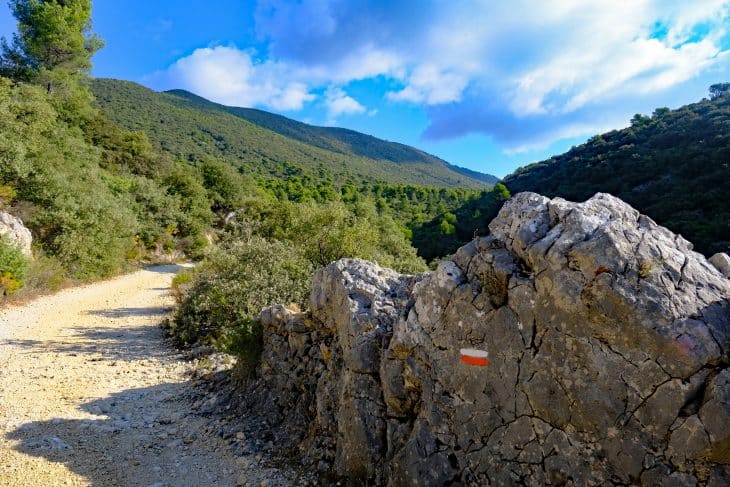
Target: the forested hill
(260, 143)
(674, 166)
(335, 139)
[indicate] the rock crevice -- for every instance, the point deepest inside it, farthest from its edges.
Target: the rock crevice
(608, 341)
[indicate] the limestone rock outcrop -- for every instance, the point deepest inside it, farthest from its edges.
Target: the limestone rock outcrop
(722, 261)
(15, 232)
(608, 342)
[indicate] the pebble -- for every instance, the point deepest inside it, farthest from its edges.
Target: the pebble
(56, 443)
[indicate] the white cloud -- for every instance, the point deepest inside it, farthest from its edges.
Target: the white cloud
(430, 85)
(622, 60)
(340, 103)
(552, 66)
(231, 76)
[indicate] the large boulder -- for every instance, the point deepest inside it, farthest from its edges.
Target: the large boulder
(608, 342)
(13, 230)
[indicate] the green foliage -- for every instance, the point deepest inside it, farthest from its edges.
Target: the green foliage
(267, 257)
(673, 166)
(446, 227)
(181, 284)
(226, 188)
(13, 267)
(448, 230)
(7, 195)
(263, 145)
(45, 274)
(53, 37)
(232, 285)
(53, 48)
(91, 205)
(344, 141)
(330, 231)
(719, 89)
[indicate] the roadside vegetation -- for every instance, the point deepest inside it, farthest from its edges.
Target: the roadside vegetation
(13, 267)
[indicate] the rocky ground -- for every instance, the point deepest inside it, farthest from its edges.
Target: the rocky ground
(91, 393)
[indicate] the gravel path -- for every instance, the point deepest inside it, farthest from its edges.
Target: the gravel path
(91, 393)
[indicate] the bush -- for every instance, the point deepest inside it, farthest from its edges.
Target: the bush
(229, 289)
(45, 274)
(325, 232)
(13, 267)
(181, 284)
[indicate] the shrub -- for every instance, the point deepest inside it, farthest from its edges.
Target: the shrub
(325, 232)
(44, 274)
(13, 267)
(181, 284)
(231, 286)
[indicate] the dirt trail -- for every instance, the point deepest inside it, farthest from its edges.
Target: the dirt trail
(92, 394)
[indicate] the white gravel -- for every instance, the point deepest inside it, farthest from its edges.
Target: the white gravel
(91, 393)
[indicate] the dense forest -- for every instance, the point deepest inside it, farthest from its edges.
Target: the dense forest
(673, 165)
(342, 141)
(260, 144)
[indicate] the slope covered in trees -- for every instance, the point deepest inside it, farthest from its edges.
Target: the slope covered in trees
(262, 144)
(94, 196)
(335, 139)
(673, 166)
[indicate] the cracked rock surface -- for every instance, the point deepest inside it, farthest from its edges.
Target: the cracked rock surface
(608, 341)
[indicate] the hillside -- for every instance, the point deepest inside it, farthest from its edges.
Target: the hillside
(263, 144)
(336, 139)
(674, 166)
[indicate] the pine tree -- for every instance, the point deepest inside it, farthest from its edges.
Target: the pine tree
(53, 48)
(53, 35)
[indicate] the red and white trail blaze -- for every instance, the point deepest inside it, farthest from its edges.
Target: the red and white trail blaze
(472, 356)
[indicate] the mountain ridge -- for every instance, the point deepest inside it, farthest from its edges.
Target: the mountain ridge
(337, 139)
(192, 128)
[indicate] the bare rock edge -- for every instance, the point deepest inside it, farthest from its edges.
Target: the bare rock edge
(608, 342)
(12, 229)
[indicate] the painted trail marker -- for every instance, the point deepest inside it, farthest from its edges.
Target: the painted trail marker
(472, 356)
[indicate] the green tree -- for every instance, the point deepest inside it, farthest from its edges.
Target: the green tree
(53, 36)
(719, 89)
(53, 48)
(226, 187)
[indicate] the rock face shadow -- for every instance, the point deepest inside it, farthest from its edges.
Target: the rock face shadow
(131, 312)
(102, 343)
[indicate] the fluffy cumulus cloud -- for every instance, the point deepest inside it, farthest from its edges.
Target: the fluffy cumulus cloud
(526, 73)
(232, 76)
(339, 103)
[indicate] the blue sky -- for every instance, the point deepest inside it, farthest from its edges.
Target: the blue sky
(489, 85)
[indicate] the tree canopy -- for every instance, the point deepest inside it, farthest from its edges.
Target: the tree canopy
(53, 36)
(719, 89)
(673, 166)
